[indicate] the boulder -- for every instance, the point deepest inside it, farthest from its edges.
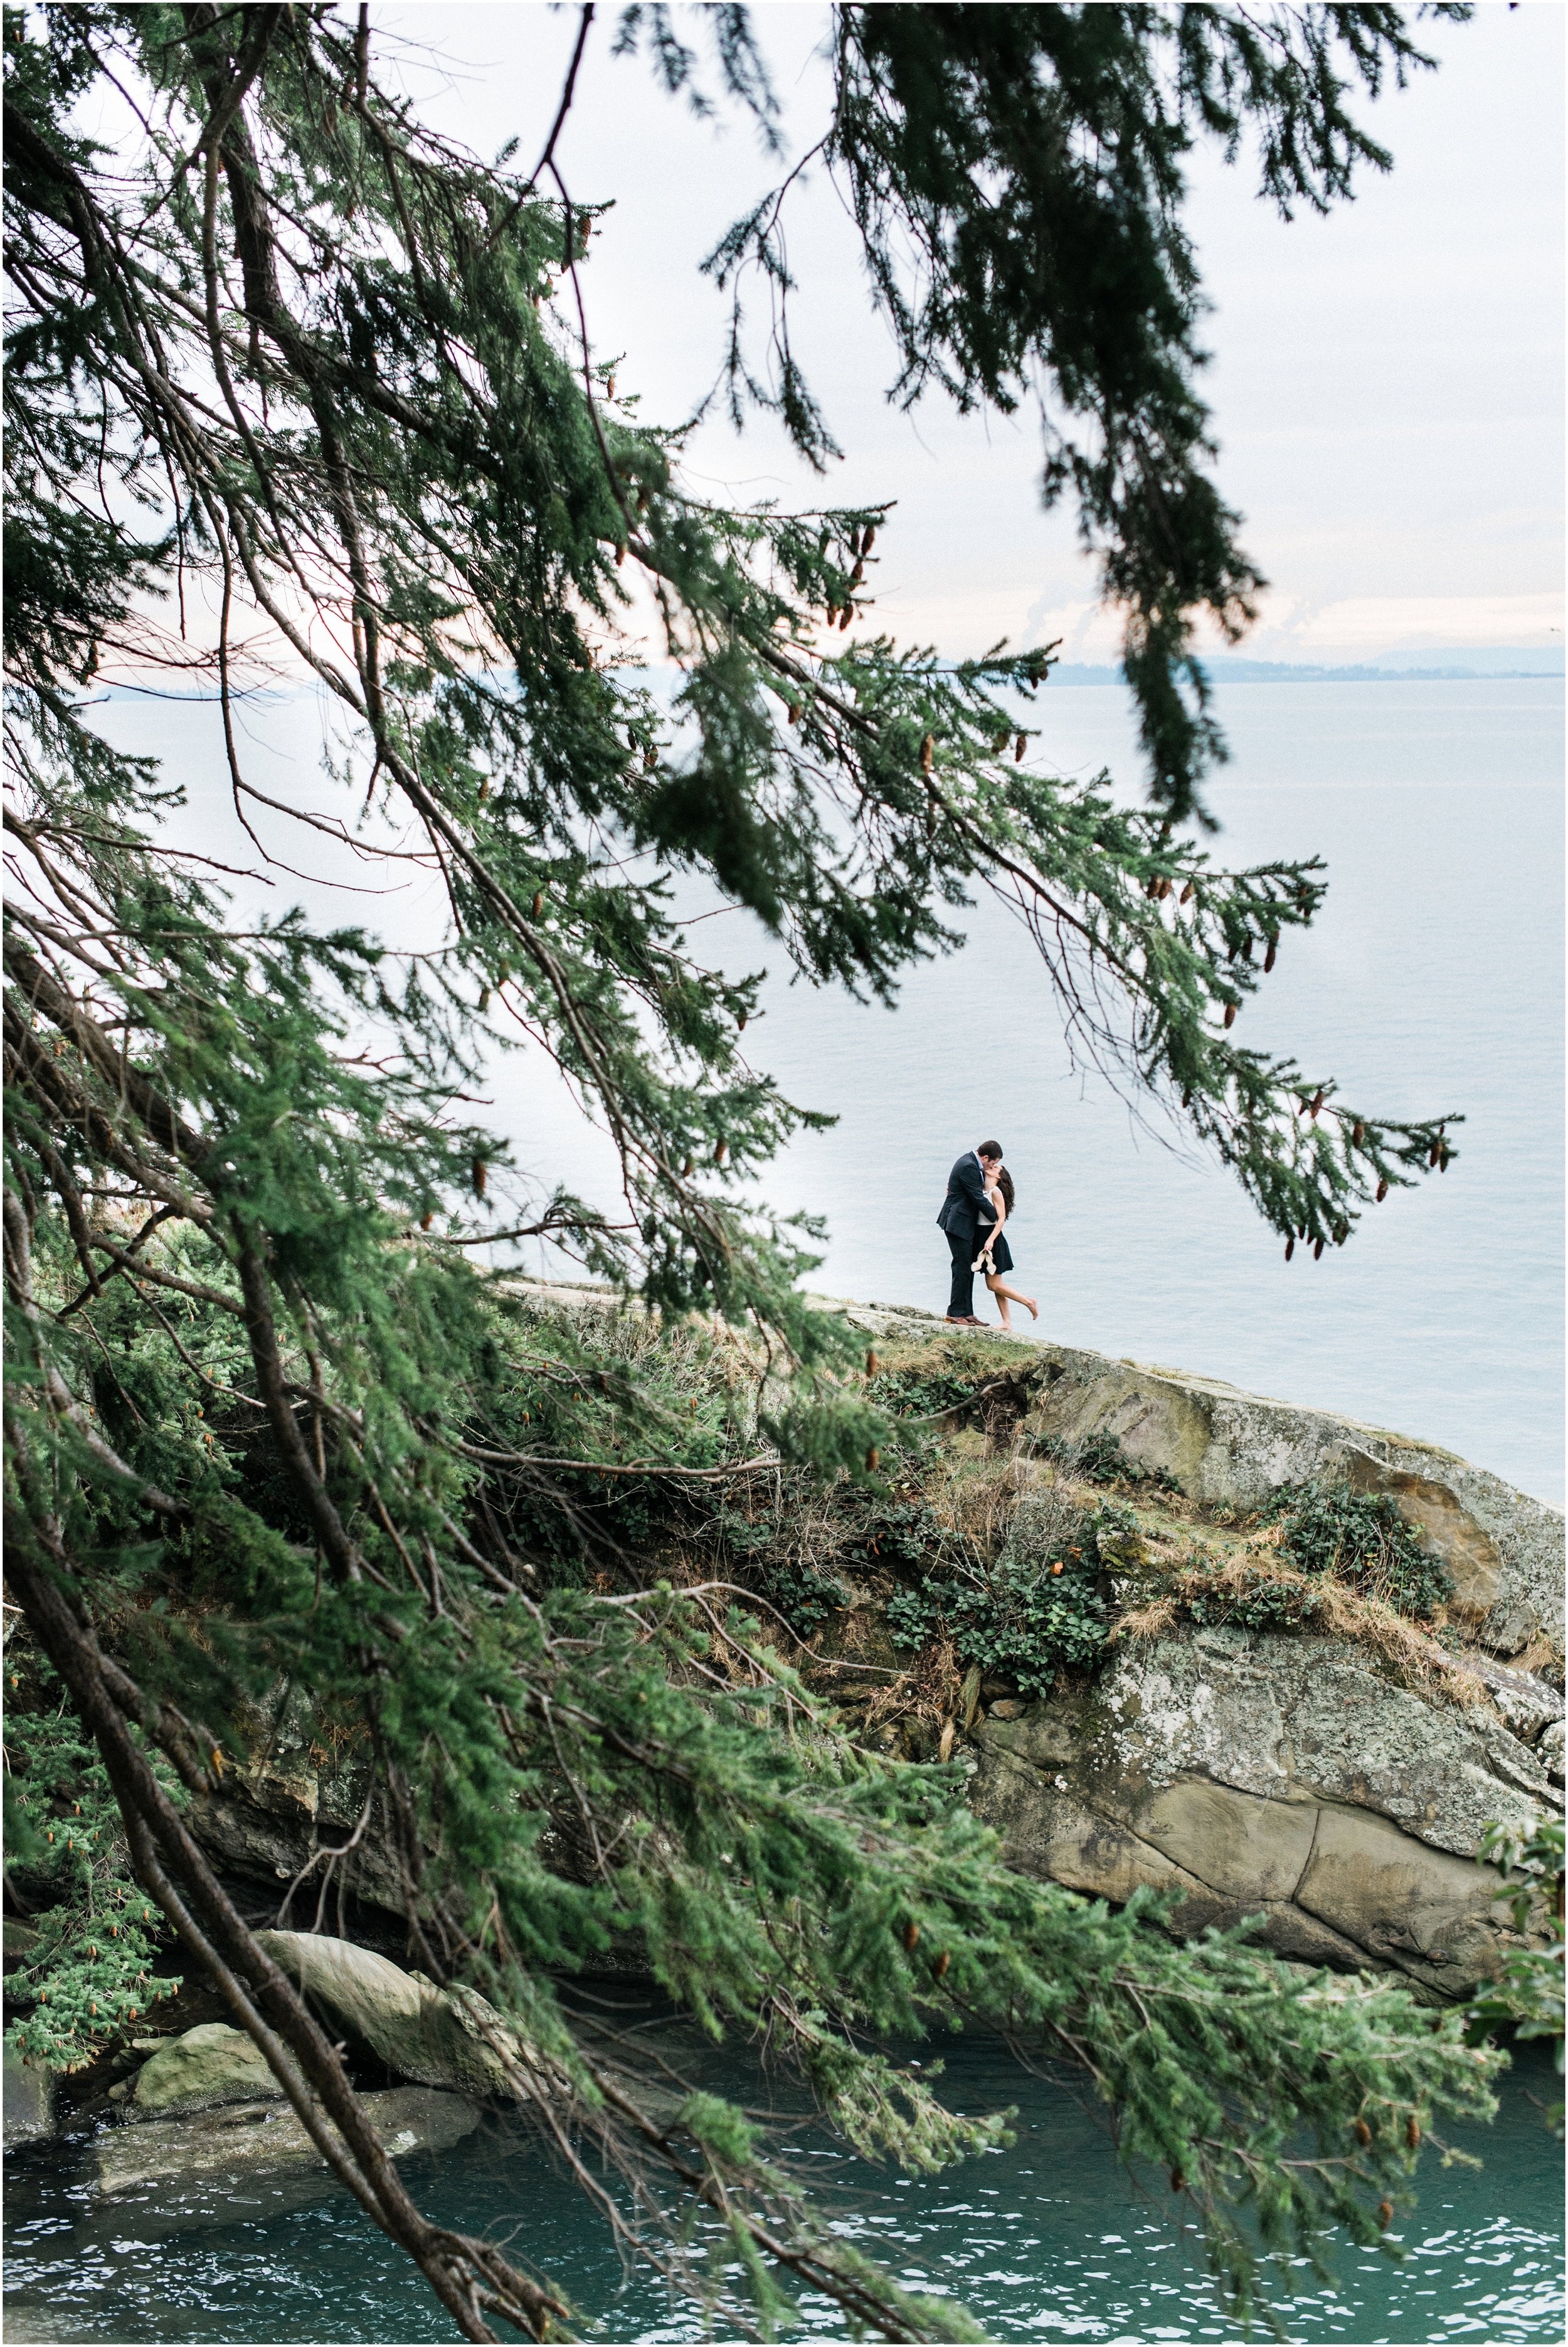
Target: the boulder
(440, 2037)
(19, 1940)
(224, 2144)
(28, 2099)
(206, 2067)
(284, 1819)
(1246, 1773)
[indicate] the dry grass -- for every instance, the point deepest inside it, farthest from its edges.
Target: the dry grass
(1151, 1621)
(1541, 1654)
(1329, 1608)
(979, 1499)
(984, 1357)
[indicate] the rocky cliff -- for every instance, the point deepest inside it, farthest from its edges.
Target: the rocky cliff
(1336, 1783)
(1247, 1772)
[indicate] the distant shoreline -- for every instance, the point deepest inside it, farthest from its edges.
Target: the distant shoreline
(1284, 673)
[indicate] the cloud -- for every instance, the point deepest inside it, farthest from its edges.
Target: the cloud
(1364, 627)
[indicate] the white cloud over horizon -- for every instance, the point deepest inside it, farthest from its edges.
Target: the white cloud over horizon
(1386, 381)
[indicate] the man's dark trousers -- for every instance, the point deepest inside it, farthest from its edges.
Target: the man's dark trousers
(961, 1303)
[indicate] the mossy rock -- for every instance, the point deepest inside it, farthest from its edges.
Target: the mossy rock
(207, 2066)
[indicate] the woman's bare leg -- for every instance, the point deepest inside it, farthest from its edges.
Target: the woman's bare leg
(994, 1282)
(1000, 1290)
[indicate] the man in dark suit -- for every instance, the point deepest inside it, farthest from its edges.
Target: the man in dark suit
(965, 1216)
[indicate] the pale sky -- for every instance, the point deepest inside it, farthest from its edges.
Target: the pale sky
(1386, 384)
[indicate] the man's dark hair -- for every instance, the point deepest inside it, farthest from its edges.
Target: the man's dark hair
(990, 1149)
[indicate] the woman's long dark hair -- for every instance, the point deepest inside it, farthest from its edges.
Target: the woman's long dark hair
(1004, 1183)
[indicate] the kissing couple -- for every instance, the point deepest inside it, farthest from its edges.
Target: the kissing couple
(975, 1213)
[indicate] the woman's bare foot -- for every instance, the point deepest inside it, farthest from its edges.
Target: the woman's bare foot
(1006, 1322)
(1033, 1307)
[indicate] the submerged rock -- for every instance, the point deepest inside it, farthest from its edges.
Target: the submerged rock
(223, 2144)
(206, 2067)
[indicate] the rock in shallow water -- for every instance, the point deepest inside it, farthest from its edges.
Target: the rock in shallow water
(207, 2066)
(220, 2144)
(442, 2037)
(29, 2100)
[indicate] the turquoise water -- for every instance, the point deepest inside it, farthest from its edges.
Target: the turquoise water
(1048, 2240)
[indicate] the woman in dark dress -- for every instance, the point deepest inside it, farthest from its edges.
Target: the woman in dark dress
(996, 1256)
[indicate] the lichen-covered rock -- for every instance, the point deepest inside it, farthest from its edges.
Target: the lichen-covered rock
(438, 2037)
(207, 2066)
(1248, 1773)
(245, 2137)
(1228, 1449)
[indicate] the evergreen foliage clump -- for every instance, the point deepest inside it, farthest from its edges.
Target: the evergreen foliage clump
(295, 385)
(923, 1393)
(1362, 1539)
(1101, 1459)
(1037, 1609)
(89, 1971)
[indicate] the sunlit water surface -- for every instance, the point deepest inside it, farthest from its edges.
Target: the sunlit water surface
(1049, 2240)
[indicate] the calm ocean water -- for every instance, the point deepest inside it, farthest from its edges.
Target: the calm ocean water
(1432, 982)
